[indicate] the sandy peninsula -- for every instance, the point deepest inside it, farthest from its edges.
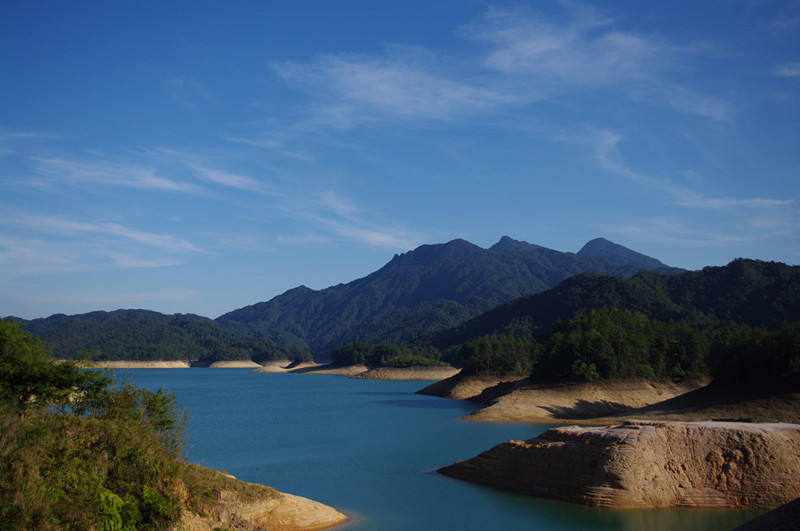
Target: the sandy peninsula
(607, 402)
(242, 506)
(645, 464)
(137, 364)
(362, 371)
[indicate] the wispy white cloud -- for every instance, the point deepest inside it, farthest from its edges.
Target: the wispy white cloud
(405, 84)
(130, 261)
(787, 70)
(750, 219)
(55, 225)
(187, 91)
(529, 58)
(583, 51)
(608, 155)
(230, 179)
(673, 231)
(108, 173)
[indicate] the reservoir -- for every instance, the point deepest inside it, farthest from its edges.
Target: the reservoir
(371, 448)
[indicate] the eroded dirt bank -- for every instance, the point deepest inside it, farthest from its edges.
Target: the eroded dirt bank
(641, 464)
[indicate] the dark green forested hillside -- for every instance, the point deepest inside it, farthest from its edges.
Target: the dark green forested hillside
(738, 323)
(432, 287)
(748, 292)
(146, 335)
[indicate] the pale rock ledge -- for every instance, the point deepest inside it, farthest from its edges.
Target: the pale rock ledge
(640, 464)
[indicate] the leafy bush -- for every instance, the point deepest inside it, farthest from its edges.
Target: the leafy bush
(79, 450)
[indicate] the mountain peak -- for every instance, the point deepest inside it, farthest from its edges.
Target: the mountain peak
(618, 254)
(507, 243)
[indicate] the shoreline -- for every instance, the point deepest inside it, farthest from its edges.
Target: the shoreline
(602, 403)
(357, 371)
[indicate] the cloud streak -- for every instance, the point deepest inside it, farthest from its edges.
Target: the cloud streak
(68, 227)
(103, 172)
(529, 58)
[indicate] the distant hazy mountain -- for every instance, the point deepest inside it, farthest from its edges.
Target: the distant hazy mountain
(745, 292)
(429, 288)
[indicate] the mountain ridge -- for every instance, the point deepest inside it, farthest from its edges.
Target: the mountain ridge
(447, 282)
(432, 287)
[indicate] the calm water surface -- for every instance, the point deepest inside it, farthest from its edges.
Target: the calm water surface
(371, 449)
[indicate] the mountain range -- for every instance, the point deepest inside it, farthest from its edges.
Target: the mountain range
(427, 289)
(743, 293)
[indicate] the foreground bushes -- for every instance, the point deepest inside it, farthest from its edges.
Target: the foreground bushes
(81, 451)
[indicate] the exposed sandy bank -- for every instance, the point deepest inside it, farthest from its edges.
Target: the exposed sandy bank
(237, 364)
(717, 402)
(238, 509)
(642, 464)
(341, 370)
(460, 387)
(408, 373)
(137, 365)
(284, 366)
(564, 402)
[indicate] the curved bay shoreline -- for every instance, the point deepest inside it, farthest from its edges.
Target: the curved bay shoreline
(668, 408)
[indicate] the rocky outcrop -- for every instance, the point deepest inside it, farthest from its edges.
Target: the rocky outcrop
(276, 512)
(640, 464)
(574, 401)
(286, 512)
(462, 387)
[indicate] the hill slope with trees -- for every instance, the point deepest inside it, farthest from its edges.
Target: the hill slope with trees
(744, 292)
(144, 335)
(429, 288)
(739, 324)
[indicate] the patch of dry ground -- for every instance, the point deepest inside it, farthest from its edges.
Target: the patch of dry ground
(607, 402)
(242, 506)
(362, 371)
(649, 464)
(408, 373)
(138, 364)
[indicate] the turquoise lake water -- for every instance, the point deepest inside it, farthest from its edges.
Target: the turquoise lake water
(371, 449)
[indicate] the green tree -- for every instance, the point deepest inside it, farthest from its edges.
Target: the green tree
(79, 450)
(30, 377)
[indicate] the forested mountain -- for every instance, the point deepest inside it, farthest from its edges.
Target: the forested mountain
(602, 248)
(429, 288)
(147, 335)
(745, 292)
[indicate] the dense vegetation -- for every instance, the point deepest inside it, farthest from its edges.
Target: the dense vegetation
(79, 450)
(384, 355)
(757, 357)
(609, 343)
(427, 289)
(146, 335)
(745, 292)
(735, 323)
(498, 355)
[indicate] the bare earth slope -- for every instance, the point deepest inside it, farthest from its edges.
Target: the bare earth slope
(546, 403)
(242, 506)
(649, 464)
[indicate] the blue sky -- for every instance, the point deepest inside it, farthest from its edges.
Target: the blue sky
(197, 157)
